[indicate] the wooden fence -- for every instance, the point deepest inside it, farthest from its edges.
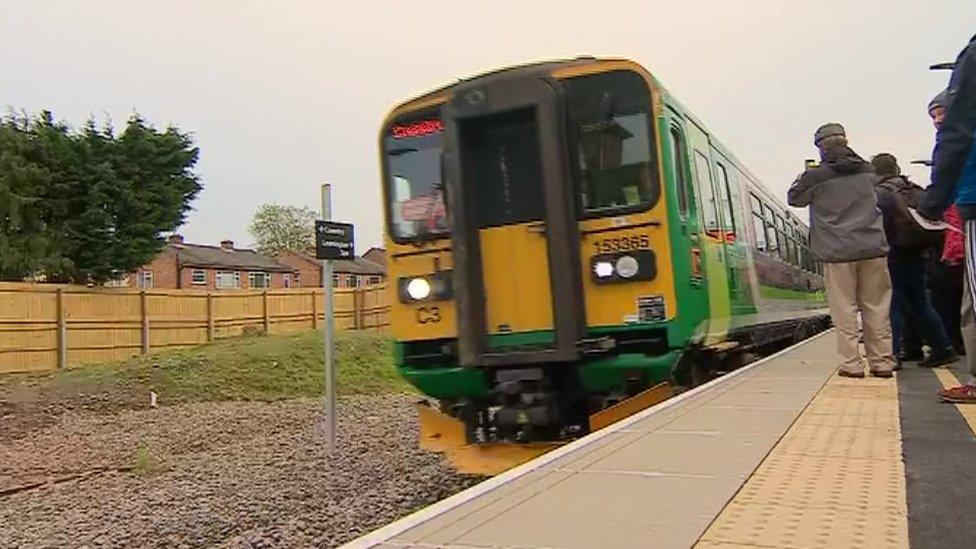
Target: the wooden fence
(45, 327)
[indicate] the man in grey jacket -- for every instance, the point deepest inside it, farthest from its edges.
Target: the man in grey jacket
(847, 235)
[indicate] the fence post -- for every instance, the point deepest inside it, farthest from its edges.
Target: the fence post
(145, 322)
(62, 331)
(359, 305)
(210, 317)
(267, 318)
(315, 312)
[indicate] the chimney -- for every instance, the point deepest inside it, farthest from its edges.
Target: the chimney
(175, 239)
(227, 244)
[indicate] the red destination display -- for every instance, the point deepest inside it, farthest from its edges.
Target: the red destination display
(416, 129)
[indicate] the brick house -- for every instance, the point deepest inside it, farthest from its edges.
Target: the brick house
(195, 266)
(376, 255)
(346, 274)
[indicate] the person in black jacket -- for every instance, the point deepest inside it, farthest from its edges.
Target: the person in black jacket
(954, 176)
(907, 262)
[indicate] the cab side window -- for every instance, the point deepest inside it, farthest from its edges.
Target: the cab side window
(679, 160)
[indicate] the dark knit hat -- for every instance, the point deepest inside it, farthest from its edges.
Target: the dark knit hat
(832, 129)
(939, 100)
(885, 164)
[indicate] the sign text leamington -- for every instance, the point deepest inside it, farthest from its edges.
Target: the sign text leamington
(334, 240)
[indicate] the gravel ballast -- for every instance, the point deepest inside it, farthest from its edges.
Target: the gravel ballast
(231, 474)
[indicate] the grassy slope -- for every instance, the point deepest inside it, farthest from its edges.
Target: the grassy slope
(248, 368)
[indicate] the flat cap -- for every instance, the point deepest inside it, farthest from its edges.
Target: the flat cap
(832, 129)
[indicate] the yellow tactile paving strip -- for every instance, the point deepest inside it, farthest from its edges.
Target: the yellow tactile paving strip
(836, 479)
(968, 411)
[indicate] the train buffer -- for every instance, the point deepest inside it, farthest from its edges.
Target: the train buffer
(781, 453)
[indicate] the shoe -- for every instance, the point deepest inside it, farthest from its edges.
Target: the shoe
(883, 373)
(897, 366)
(845, 373)
(964, 394)
(911, 356)
(939, 359)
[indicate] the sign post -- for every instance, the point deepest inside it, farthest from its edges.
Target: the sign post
(332, 241)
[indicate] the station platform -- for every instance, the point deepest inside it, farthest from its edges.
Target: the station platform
(780, 453)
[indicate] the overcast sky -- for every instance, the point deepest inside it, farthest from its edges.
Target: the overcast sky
(282, 96)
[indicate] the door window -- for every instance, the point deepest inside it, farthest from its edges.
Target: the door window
(725, 190)
(503, 168)
(704, 179)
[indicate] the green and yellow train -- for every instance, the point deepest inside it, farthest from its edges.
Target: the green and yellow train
(565, 236)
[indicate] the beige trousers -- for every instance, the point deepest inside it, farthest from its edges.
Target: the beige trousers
(865, 287)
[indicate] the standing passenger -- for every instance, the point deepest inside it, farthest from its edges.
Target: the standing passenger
(847, 235)
(949, 295)
(954, 177)
(907, 262)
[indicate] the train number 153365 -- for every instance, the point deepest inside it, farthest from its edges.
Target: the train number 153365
(622, 244)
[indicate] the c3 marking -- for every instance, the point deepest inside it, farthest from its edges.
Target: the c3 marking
(428, 315)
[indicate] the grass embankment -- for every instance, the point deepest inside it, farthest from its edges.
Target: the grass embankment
(261, 368)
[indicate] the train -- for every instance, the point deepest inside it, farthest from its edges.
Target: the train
(569, 244)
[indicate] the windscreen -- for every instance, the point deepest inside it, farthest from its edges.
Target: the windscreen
(415, 192)
(610, 117)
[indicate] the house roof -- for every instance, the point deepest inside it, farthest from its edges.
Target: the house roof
(355, 266)
(198, 255)
(358, 266)
(376, 255)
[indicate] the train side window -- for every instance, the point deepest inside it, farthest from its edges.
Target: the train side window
(679, 159)
(759, 227)
(770, 219)
(758, 224)
(784, 246)
(725, 190)
(709, 207)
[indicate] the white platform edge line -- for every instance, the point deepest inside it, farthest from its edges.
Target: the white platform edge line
(435, 510)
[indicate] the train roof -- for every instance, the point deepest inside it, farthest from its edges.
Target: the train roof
(547, 67)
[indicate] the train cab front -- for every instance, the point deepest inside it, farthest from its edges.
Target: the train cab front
(530, 258)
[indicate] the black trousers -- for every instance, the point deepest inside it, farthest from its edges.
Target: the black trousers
(945, 287)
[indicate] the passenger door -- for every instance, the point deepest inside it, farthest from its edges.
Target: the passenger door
(736, 243)
(515, 237)
(712, 238)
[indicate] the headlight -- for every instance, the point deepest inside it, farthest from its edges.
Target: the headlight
(427, 287)
(418, 289)
(627, 266)
(603, 269)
